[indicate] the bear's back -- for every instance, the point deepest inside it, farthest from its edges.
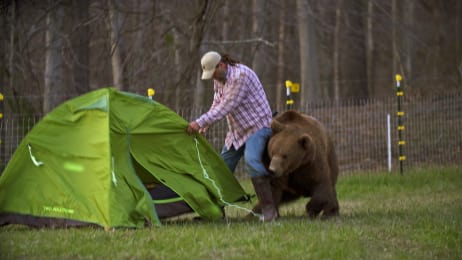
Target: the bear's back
(308, 123)
(293, 117)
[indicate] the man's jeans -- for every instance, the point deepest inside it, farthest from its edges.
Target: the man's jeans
(253, 151)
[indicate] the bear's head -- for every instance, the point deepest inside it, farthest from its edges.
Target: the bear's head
(289, 147)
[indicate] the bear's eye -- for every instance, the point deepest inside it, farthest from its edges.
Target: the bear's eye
(284, 156)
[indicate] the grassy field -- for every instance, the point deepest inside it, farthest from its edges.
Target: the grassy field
(383, 216)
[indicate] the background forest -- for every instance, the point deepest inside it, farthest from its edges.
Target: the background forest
(337, 49)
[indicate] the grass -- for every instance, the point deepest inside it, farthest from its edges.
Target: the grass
(383, 216)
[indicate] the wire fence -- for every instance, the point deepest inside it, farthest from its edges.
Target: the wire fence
(433, 127)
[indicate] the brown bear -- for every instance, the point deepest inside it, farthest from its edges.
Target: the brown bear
(302, 160)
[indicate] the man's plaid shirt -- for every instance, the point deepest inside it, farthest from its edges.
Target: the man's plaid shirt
(244, 103)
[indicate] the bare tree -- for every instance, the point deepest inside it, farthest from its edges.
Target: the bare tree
(189, 71)
(8, 45)
(7, 28)
(336, 50)
(395, 39)
(458, 40)
(309, 89)
(370, 46)
(158, 44)
(118, 52)
(408, 48)
(54, 60)
(226, 23)
(281, 60)
(80, 52)
(258, 11)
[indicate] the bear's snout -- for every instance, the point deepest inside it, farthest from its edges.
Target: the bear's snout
(276, 166)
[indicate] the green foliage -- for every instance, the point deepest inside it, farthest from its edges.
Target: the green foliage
(383, 216)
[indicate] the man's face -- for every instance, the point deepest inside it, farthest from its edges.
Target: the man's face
(220, 72)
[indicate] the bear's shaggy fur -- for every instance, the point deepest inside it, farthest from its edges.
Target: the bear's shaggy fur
(303, 162)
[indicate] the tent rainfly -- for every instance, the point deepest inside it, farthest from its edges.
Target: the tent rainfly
(113, 159)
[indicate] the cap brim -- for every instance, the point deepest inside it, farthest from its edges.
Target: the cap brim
(207, 74)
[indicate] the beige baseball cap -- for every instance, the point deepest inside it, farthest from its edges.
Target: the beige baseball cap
(209, 62)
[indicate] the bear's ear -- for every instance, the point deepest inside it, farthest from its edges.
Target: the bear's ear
(305, 141)
(276, 126)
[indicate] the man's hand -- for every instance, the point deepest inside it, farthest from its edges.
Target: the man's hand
(203, 130)
(193, 127)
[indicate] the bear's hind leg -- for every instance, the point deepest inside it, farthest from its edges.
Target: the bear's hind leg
(314, 207)
(330, 210)
(317, 204)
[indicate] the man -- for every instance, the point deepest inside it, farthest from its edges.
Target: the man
(239, 96)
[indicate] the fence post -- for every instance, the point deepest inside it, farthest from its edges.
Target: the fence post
(291, 88)
(389, 143)
(151, 93)
(289, 100)
(400, 114)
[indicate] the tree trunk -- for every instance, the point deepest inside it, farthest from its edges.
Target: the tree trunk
(141, 31)
(225, 26)
(458, 35)
(118, 52)
(54, 60)
(8, 51)
(258, 7)
(354, 53)
(437, 45)
(280, 86)
(370, 65)
(191, 65)
(395, 56)
(80, 47)
(409, 23)
(336, 50)
(309, 83)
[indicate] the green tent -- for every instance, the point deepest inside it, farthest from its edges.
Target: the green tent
(97, 158)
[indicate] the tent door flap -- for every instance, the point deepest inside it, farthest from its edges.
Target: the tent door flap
(168, 203)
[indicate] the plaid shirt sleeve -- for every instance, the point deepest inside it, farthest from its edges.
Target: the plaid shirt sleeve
(226, 99)
(243, 102)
